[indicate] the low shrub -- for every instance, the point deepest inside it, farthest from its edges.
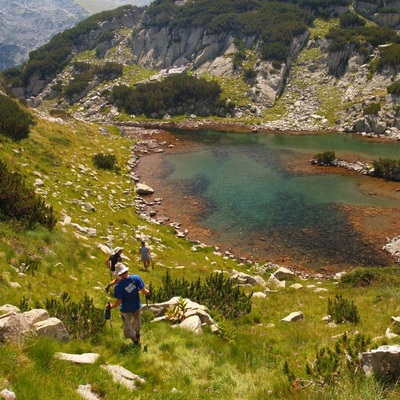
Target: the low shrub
(105, 161)
(173, 94)
(217, 293)
(28, 265)
(343, 310)
(386, 168)
(351, 20)
(249, 73)
(394, 88)
(79, 84)
(389, 57)
(368, 277)
(81, 319)
(325, 158)
(14, 121)
(372, 108)
(21, 204)
(330, 364)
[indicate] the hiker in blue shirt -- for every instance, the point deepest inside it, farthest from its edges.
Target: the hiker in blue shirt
(128, 299)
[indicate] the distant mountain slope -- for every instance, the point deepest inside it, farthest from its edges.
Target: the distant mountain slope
(28, 24)
(95, 6)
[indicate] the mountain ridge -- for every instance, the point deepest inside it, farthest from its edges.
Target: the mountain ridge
(317, 87)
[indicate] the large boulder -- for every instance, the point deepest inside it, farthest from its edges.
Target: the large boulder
(36, 315)
(53, 328)
(383, 362)
(14, 328)
(284, 274)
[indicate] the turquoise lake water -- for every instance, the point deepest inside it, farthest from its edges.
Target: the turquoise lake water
(255, 204)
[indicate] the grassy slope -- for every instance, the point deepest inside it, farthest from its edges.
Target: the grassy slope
(205, 367)
(200, 367)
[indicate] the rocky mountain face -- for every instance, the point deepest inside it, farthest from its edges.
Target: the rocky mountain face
(28, 24)
(317, 89)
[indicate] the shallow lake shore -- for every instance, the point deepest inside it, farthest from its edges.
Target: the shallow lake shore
(163, 140)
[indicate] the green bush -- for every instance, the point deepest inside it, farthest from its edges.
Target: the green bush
(105, 161)
(360, 36)
(351, 20)
(372, 108)
(269, 21)
(238, 59)
(366, 277)
(217, 293)
(388, 10)
(330, 364)
(79, 83)
(386, 167)
(108, 71)
(85, 73)
(28, 265)
(389, 57)
(21, 204)
(394, 88)
(325, 158)
(249, 73)
(81, 319)
(172, 94)
(343, 310)
(14, 121)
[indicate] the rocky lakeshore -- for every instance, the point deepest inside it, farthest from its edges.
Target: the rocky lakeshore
(156, 138)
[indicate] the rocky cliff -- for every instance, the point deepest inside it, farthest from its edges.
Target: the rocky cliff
(315, 89)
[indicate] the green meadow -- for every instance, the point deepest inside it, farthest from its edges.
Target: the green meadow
(258, 356)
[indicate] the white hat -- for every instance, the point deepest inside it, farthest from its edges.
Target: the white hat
(120, 269)
(117, 249)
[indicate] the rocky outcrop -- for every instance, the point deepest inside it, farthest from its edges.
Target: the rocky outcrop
(345, 76)
(192, 316)
(384, 13)
(96, 40)
(15, 326)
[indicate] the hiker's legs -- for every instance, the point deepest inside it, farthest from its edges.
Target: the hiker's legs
(132, 325)
(137, 324)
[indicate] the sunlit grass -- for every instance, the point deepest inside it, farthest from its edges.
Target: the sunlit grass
(248, 366)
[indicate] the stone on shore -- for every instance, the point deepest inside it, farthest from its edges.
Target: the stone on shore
(143, 189)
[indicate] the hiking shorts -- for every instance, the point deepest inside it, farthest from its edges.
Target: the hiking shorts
(132, 324)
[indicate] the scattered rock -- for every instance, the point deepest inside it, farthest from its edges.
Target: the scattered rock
(143, 189)
(7, 394)
(123, 376)
(86, 392)
(293, 317)
(85, 358)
